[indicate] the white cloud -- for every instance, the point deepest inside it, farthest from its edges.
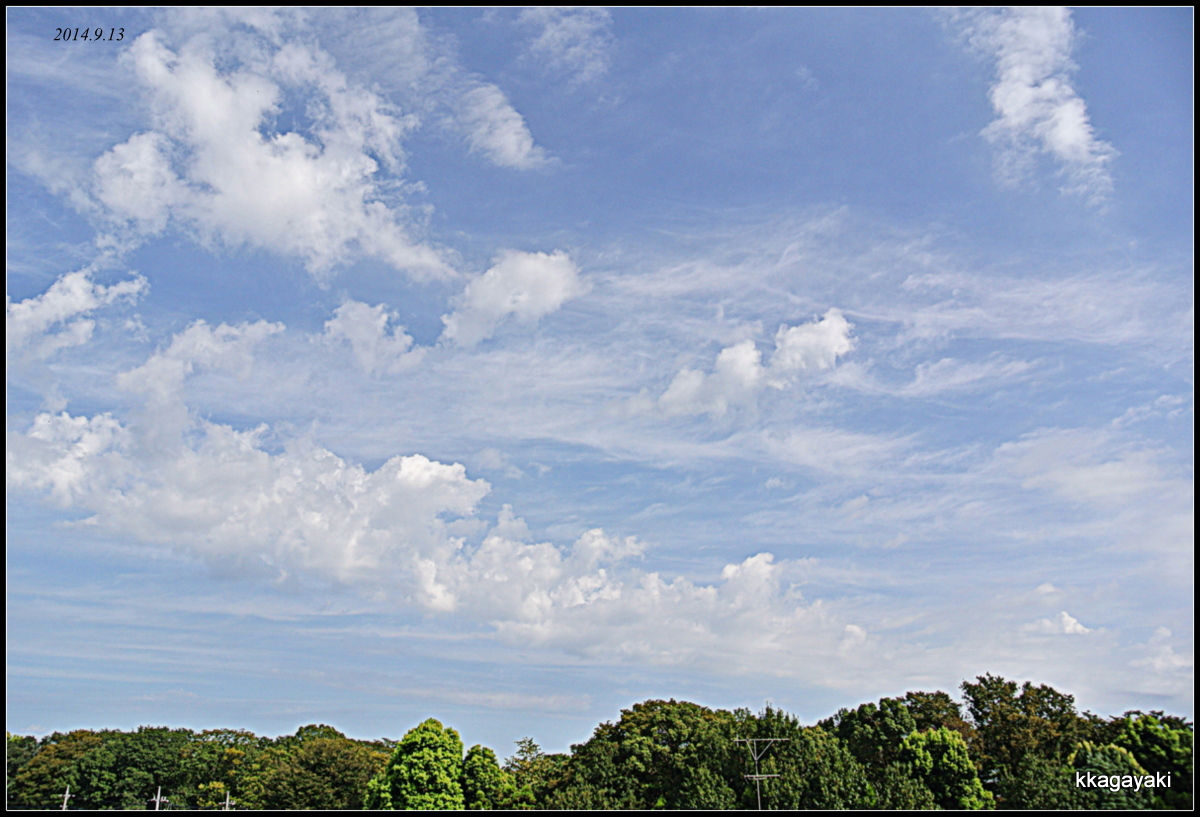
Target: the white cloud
(135, 182)
(1162, 658)
(376, 349)
(523, 285)
(28, 323)
(229, 348)
(734, 381)
(215, 163)
(949, 374)
(1090, 467)
(1038, 110)
(251, 502)
(812, 346)
(1093, 308)
(495, 129)
(1063, 624)
(739, 374)
(574, 41)
(305, 513)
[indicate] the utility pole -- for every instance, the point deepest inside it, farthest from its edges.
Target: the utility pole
(158, 799)
(66, 796)
(758, 753)
(228, 802)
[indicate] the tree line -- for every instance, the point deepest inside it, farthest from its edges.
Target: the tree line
(1006, 746)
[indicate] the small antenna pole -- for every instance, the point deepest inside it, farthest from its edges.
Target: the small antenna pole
(757, 754)
(158, 799)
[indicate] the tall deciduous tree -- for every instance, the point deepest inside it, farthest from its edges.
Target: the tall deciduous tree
(424, 771)
(939, 757)
(485, 785)
(1162, 745)
(1038, 720)
(660, 754)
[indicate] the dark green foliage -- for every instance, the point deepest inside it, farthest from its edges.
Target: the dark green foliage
(535, 774)
(485, 785)
(1023, 747)
(130, 768)
(327, 773)
(1039, 783)
(660, 754)
(1039, 720)
(424, 771)
(1161, 744)
(216, 762)
(1109, 761)
(873, 733)
(934, 710)
(40, 783)
(816, 770)
(939, 758)
(20, 750)
(899, 786)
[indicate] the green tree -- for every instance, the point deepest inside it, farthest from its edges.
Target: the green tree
(875, 735)
(659, 754)
(1010, 725)
(1110, 761)
(1161, 745)
(934, 710)
(216, 762)
(816, 770)
(320, 773)
(21, 749)
(40, 782)
(940, 758)
(1040, 783)
(485, 785)
(535, 774)
(130, 767)
(424, 771)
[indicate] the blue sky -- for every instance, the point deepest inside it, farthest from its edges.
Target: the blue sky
(511, 367)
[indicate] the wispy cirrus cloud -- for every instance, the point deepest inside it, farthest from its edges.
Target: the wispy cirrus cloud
(573, 41)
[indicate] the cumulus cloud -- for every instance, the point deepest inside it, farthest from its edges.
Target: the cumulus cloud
(734, 381)
(377, 349)
(1162, 659)
(216, 163)
(496, 130)
(1063, 624)
(230, 348)
(812, 346)
(250, 501)
(1038, 110)
(56, 319)
(573, 41)
(739, 374)
(523, 285)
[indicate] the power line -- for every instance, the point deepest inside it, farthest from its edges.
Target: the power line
(158, 799)
(757, 753)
